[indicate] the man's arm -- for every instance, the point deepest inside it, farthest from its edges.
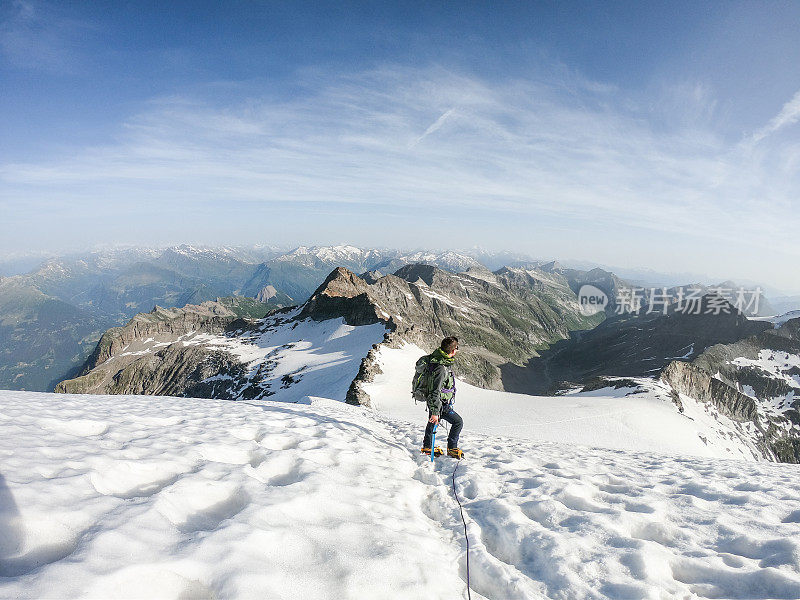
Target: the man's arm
(434, 397)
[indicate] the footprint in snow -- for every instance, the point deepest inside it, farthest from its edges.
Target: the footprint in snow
(135, 478)
(77, 427)
(30, 540)
(248, 433)
(656, 531)
(199, 504)
(159, 421)
(243, 454)
(279, 441)
(148, 581)
(280, 469)
(792, 517)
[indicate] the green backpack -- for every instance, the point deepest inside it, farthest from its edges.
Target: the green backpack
(421, 384)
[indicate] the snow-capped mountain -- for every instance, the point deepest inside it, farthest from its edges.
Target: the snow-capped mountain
(360, 260)
(755, 380)
(72, 299)
(209, 351)
(448, 260)
(332, 255)
(169, 351)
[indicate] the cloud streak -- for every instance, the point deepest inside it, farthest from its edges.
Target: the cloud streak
(789, 115)
(435, 126)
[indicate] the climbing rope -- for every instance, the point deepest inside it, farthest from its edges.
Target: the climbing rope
(461, 510)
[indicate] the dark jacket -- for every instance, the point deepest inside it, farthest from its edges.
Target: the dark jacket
(442, 391)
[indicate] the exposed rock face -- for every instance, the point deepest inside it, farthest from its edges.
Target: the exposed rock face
(629, 345)
(500, 317)
(576, 278)
(177, 371)
(751, 380)
(343, 294)
(366, 373)
(211, 317)
(147, 360)
(686, 378)
(266, 293)
(371, 276)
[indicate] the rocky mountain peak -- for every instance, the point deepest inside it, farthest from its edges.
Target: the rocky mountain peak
(342, 294)
(417, 271)
(481, 272)
(266, 293)
(553, 265)
(342, 283)
(371, 276)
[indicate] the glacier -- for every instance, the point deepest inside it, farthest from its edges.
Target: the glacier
(165, 497)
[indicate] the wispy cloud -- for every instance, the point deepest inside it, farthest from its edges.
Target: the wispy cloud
(789, 115)
(531, 150)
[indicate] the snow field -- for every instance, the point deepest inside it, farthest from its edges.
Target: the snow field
(178, 498)
(605, 418)
(548, 520)
(175, 498)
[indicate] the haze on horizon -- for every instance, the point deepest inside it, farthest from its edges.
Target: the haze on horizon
(661, 135)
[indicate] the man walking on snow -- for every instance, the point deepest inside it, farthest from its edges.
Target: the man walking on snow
(441, 395)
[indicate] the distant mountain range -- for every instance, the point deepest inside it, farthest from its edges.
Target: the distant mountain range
(502, 316)
(521, 330)
(52, 317)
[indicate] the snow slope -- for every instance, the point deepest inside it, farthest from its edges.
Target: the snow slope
(284, 359)
(606, 418)
(157, 497)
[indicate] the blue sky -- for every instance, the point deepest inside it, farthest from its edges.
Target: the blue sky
(662, 135)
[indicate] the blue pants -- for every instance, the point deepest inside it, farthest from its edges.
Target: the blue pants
(456, 423)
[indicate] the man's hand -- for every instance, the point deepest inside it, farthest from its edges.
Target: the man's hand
(434, 419)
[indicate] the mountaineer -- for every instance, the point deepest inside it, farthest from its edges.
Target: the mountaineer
(435, 383)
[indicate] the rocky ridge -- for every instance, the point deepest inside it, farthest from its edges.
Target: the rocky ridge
(634, 344)
(150, 354)
(499, 317)
(755, 380)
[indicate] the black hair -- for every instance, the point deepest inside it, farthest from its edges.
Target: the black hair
(449, 344)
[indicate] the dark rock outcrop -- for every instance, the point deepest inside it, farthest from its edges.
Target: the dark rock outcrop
(343, 294)
(686, 378)
(732, 378)
(629, 345)
(500, 318)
